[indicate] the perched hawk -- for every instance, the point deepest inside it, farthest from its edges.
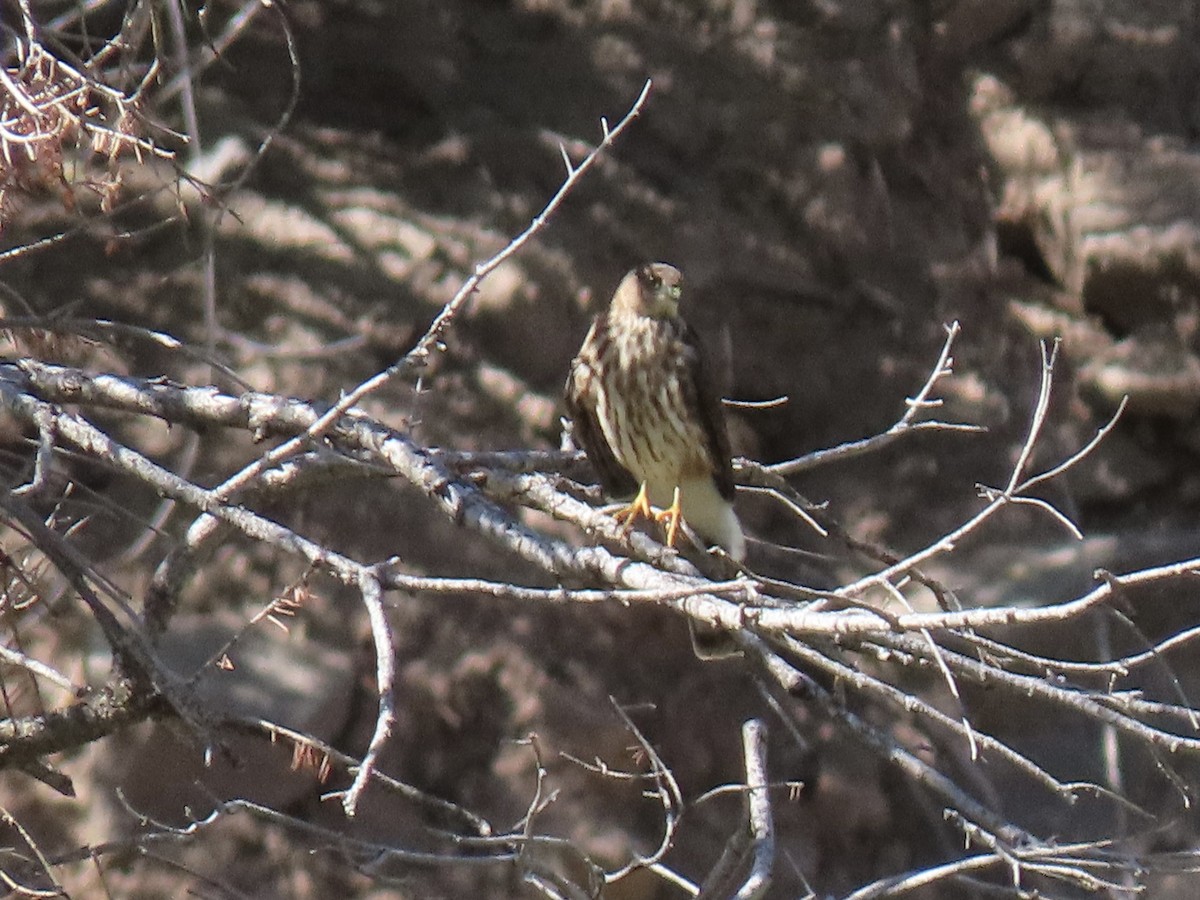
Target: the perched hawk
(644, 409)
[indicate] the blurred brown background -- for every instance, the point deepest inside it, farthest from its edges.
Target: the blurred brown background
(837, 179)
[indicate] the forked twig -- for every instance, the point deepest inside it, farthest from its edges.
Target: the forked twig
(907, 423)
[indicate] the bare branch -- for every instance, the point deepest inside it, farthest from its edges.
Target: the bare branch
(385, 673)
(853, 656)
(419, 355)
(904, 425)
(758, 808)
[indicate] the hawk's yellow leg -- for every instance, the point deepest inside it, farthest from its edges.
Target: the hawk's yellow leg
(639, 507)
(672, 515)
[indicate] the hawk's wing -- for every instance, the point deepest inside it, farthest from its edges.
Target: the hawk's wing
(581, 401)
(706, 401)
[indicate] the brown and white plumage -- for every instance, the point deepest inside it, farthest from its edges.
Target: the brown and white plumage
(645, 411)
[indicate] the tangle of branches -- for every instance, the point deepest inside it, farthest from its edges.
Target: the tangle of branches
(848, 653)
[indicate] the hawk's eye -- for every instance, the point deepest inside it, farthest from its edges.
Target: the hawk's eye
(655, 281)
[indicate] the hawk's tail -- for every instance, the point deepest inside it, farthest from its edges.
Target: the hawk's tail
(712, 516)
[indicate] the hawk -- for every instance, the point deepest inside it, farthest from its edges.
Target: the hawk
(645, 411)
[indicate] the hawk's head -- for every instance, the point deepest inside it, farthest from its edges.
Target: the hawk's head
(651, 290)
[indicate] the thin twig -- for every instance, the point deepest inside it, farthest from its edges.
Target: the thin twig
(905, 424)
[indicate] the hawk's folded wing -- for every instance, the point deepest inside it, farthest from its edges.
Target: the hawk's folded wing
(581, 400)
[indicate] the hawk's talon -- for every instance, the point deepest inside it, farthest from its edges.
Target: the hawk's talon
(639, 507)
(673, 514)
